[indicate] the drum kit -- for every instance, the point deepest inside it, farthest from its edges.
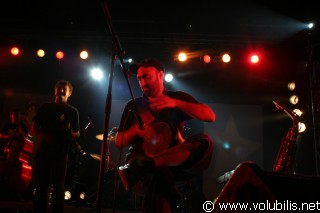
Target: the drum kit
(111, 138)
(88, 172)
(83, 171)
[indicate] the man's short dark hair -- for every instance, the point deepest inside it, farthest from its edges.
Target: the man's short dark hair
(147, 62)
(64, 83)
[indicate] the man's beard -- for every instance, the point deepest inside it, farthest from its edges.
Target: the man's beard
(148, 91)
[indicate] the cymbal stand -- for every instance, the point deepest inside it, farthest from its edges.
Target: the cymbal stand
(111, 134)
(108, 155)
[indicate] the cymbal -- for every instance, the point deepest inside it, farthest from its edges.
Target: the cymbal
(111, 138)
(111, 135)
(99, 137)
(97, 157)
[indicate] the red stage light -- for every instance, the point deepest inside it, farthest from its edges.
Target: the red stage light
(206, 59)
(254, 59)
(59, 55)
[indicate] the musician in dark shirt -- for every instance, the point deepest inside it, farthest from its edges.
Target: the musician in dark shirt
(152, 127)
(57, 126)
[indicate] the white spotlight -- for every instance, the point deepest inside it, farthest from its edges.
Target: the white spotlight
(294, 99)
(67, 195)
(291, 86)
(82, 196)
(301, 127)
(97, 74)
(168, 77)
(84, 54)
(298, 112)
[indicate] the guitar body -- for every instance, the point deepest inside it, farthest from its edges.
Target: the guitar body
(161, 141)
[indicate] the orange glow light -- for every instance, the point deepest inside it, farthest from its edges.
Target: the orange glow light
(40, 53)
(182, 56)
(206, 59)
(59, 55)
(14, 51)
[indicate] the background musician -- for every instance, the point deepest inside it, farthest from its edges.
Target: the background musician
(15, 131)
(56, 124)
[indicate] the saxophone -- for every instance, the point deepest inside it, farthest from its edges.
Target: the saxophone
(285, 160)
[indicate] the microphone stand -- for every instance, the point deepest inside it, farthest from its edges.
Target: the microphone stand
(117, 51)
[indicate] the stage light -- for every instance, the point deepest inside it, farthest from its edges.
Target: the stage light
(40, 53)
(59, 55)
(294, 99)
(168, 77)
(206, 58)
(298, 112)
(291, 86)
(301, 127)
(84, 54)
(67, 195)
(182, 56)
(310, 25)
(97, 74)
(15, 51)
(82, 196)
(254, 59)
(226, 145)
(226, 58)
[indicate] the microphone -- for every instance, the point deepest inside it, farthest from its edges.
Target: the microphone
(90, 123)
